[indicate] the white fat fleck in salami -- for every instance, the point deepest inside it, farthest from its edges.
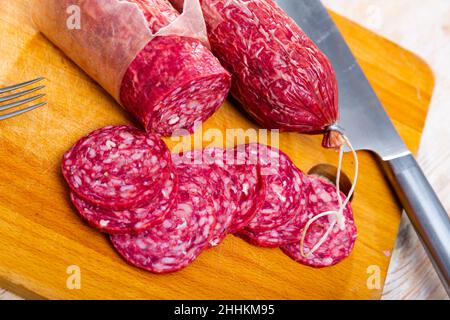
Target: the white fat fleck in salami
(339, 244)
(181, 237)
(131, 221)
(283, 185)
(117, 167)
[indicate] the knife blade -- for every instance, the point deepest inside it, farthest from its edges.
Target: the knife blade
(368, 127)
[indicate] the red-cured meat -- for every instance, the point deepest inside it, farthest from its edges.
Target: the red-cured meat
(280, 76)
(131, 221)
(283, 185)
(284, 234)
(175, 82)
(211, 172)
(181, 237)
(152, 60)
(339, 244)
(117, 167)
(248, 187)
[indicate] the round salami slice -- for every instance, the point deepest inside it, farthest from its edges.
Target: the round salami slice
(117, 167)
(339, 243)
(132, 221)
(247, 186)
(181, 237)
(283, 185)
(211, 171)
(286, 233)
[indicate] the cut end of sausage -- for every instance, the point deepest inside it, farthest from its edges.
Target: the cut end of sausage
(189, 105)
(173, 85)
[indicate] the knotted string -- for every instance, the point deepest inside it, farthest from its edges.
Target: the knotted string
(340, 217)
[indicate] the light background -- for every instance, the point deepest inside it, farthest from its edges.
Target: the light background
(424, 28)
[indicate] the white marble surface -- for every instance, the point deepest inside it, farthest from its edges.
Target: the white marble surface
(424, 28)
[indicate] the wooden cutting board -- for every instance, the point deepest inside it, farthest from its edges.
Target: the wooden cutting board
(41, 236)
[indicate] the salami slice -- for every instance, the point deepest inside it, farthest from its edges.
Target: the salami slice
(339, 243)
(131, 221)
(117, 167)
(181, 237)
(283, 185)
(174, 83)
(212, 172)
(248, 186)
(286, 233)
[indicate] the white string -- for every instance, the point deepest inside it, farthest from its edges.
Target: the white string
(340, 217)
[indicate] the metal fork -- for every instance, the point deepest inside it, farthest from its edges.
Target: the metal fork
(20, 102)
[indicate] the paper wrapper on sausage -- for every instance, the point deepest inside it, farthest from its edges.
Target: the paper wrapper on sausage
(107, 38)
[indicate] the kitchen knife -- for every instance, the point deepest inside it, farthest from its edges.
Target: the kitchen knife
(368, 127)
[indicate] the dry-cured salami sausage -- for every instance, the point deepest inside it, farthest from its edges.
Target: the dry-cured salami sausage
(284, 234)
(280, 77)
(151, 62)
(174, 82)
(248, 186)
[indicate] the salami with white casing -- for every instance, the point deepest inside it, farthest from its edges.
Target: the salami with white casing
(153, 61)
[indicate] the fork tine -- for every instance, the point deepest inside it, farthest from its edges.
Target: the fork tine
(19, 112)
(20, 85)
(20, 102)
(20, 94)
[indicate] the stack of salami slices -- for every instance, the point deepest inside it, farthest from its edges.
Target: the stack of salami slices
(161, 210)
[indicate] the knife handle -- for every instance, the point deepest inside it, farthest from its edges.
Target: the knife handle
(425, 211)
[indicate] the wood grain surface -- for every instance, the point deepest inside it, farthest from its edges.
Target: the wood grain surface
(411, 275)
(41, 236)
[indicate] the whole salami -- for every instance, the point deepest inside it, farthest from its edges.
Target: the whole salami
(153, 61)
(280, 77)
(338, 244)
